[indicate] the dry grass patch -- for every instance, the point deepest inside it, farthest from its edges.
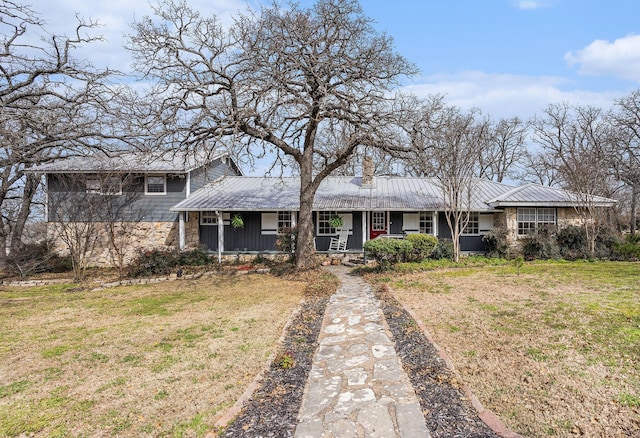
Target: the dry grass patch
(554, 351)
(154, 360)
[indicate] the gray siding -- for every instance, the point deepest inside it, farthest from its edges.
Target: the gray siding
(139, 207)
(211, 172)
(250, 238)
(467, 243)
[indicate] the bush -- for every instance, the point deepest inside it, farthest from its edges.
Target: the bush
(572, 243)
(496, 241)
(163, 262)
(540, 246)
(34, 258)
(630, 249)
(607, 243)
(422, 244)
(443, 250)
(196, 257)
(388, 252)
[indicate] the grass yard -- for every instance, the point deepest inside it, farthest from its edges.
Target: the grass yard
(553, 350)
(154, 360)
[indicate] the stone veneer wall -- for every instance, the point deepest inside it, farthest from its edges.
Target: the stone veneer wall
(143, 236)
(565, 217)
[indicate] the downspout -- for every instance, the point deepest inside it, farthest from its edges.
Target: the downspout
(364, 234)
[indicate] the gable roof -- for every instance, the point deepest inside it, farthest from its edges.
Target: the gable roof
(136, 162)
(334, 194)
(532, 195)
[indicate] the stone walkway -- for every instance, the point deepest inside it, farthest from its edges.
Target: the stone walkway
(357, 387)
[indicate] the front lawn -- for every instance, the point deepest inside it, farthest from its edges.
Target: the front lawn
(553, 348)
(154, 360)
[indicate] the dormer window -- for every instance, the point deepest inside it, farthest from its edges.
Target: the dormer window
(155, 185)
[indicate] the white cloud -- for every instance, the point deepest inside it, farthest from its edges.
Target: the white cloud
(529, 5)
(620, 58)
(506, 95)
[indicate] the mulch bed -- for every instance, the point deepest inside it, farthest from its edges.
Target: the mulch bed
(448, 413)
(273, 408)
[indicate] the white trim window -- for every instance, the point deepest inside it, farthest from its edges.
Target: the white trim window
(426, 222)
(208, 218)
(324, 228)
(285, 221)
(378, 221)
(473, 224)
(155, 184)
(530, 219)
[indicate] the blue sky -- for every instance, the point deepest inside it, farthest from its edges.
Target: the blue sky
(506, 57)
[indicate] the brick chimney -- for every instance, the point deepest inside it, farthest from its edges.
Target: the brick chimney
(367, 172)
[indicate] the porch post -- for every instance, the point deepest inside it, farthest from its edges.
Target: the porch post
(364, 228)
(220, 235)
(435, 223)
(181, 231)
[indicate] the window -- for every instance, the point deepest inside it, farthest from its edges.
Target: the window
(530, 220)
(324, 227)
(378, 221)
(111, 185)
(208, 218)
(473, 224)
(426, 222)
(155, 185)
(284, 221)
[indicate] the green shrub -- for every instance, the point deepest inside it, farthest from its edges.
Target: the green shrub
(496, 241)
(422, 244)
(388, 252)
(540, 246)
(195, 257)
(607, 243)
(443, 250)
(572, 243)
(163, 262)
(630, 248)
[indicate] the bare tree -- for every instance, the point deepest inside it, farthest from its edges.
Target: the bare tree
(278, 80)
(505, 151)
(51, 104)
(625, 148)
(446, 145)
(575, 140)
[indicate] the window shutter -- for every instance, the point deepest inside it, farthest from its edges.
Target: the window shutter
(269, 223)
(485, 223)
(347, 222)
(411, 222)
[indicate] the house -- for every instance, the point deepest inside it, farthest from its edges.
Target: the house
(187, 202)
(133, 187)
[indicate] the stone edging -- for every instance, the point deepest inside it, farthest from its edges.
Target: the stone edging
(487, 416)
(132, 281)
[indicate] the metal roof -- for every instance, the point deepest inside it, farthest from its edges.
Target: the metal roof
(138, 162)
(334, 194)
(538, 195)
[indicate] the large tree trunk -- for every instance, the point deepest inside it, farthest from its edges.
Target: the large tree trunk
(30, 187)
(305, 249)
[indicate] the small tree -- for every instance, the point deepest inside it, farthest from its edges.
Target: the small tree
(446, 145)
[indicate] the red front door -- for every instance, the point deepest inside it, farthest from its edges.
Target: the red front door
(378, 224)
